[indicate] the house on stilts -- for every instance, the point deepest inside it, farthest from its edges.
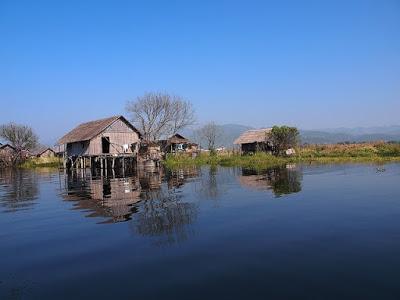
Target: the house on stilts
(105, 143)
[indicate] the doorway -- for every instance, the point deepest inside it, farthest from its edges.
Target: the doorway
(105, 144)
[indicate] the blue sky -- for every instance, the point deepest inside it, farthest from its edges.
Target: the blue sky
(313, 64)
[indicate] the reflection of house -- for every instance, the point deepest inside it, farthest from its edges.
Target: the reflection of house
(111, 137)
(282, 180)
(176, 144)
(150, 151)
(255, 182)
(107, 198)
(253, 141)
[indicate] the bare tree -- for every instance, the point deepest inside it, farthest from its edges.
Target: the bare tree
(210, 132)
(159, 114)
(21, 137)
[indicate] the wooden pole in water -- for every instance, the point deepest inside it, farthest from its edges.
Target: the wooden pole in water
(105, 166)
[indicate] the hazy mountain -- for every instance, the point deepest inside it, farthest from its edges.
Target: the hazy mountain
(229, 132)
(359, 134)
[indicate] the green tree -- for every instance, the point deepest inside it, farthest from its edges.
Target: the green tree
(283, 138)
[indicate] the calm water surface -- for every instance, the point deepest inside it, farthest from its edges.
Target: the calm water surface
(304, 232)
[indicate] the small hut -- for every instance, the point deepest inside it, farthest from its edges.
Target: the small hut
(7, 154)
(255, 140)
(177, 144)
(7, 148)
(44, 152)
(100, 141)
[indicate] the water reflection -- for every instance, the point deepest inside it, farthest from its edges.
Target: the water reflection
(151, 200)
(164, 215)
(19, 189)
(109, 198)
(281, 180)
(114, 197)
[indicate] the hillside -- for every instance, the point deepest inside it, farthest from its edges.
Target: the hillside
(229, 132)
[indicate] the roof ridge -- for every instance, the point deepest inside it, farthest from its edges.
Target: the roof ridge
(88, 130)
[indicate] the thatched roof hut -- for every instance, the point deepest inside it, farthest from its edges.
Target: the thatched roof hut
(254, 140)
(253, 136)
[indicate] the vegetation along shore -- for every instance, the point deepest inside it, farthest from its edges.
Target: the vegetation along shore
(379, 152)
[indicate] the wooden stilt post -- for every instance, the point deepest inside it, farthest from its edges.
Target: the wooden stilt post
(123, 167)
(105, 166)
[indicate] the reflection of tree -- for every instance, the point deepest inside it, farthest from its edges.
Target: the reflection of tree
(285, 181)
(211, 187)
(177, 178)
(163, 214)
(282, 180)
(19, 189)
(214, 181)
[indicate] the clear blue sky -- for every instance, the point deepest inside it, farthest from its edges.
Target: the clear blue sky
(313, 64)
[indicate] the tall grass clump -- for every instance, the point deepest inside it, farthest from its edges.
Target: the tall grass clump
(48, 162)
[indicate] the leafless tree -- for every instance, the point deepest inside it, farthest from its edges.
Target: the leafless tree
(210, 132)
(159, 114)
(21, 137)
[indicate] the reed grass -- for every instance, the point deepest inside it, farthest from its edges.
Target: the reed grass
(338, 153)
(48, 162)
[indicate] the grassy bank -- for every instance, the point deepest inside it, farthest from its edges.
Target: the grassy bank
(352, 153)
(48, 162)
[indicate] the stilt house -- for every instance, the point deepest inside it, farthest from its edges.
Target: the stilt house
(99, 140)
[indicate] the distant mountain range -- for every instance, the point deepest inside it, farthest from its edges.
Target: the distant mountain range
(229, 132)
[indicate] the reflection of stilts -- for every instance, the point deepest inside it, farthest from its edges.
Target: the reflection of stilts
(106, 164)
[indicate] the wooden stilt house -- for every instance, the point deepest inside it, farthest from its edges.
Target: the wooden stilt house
(101, 143)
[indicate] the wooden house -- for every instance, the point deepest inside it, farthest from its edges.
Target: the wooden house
(101, 142)
(255, 140)
(7, 148)
(7, 154)
(177, 144)
(44, 152)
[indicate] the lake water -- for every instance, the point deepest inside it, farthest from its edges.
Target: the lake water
(304, 232)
